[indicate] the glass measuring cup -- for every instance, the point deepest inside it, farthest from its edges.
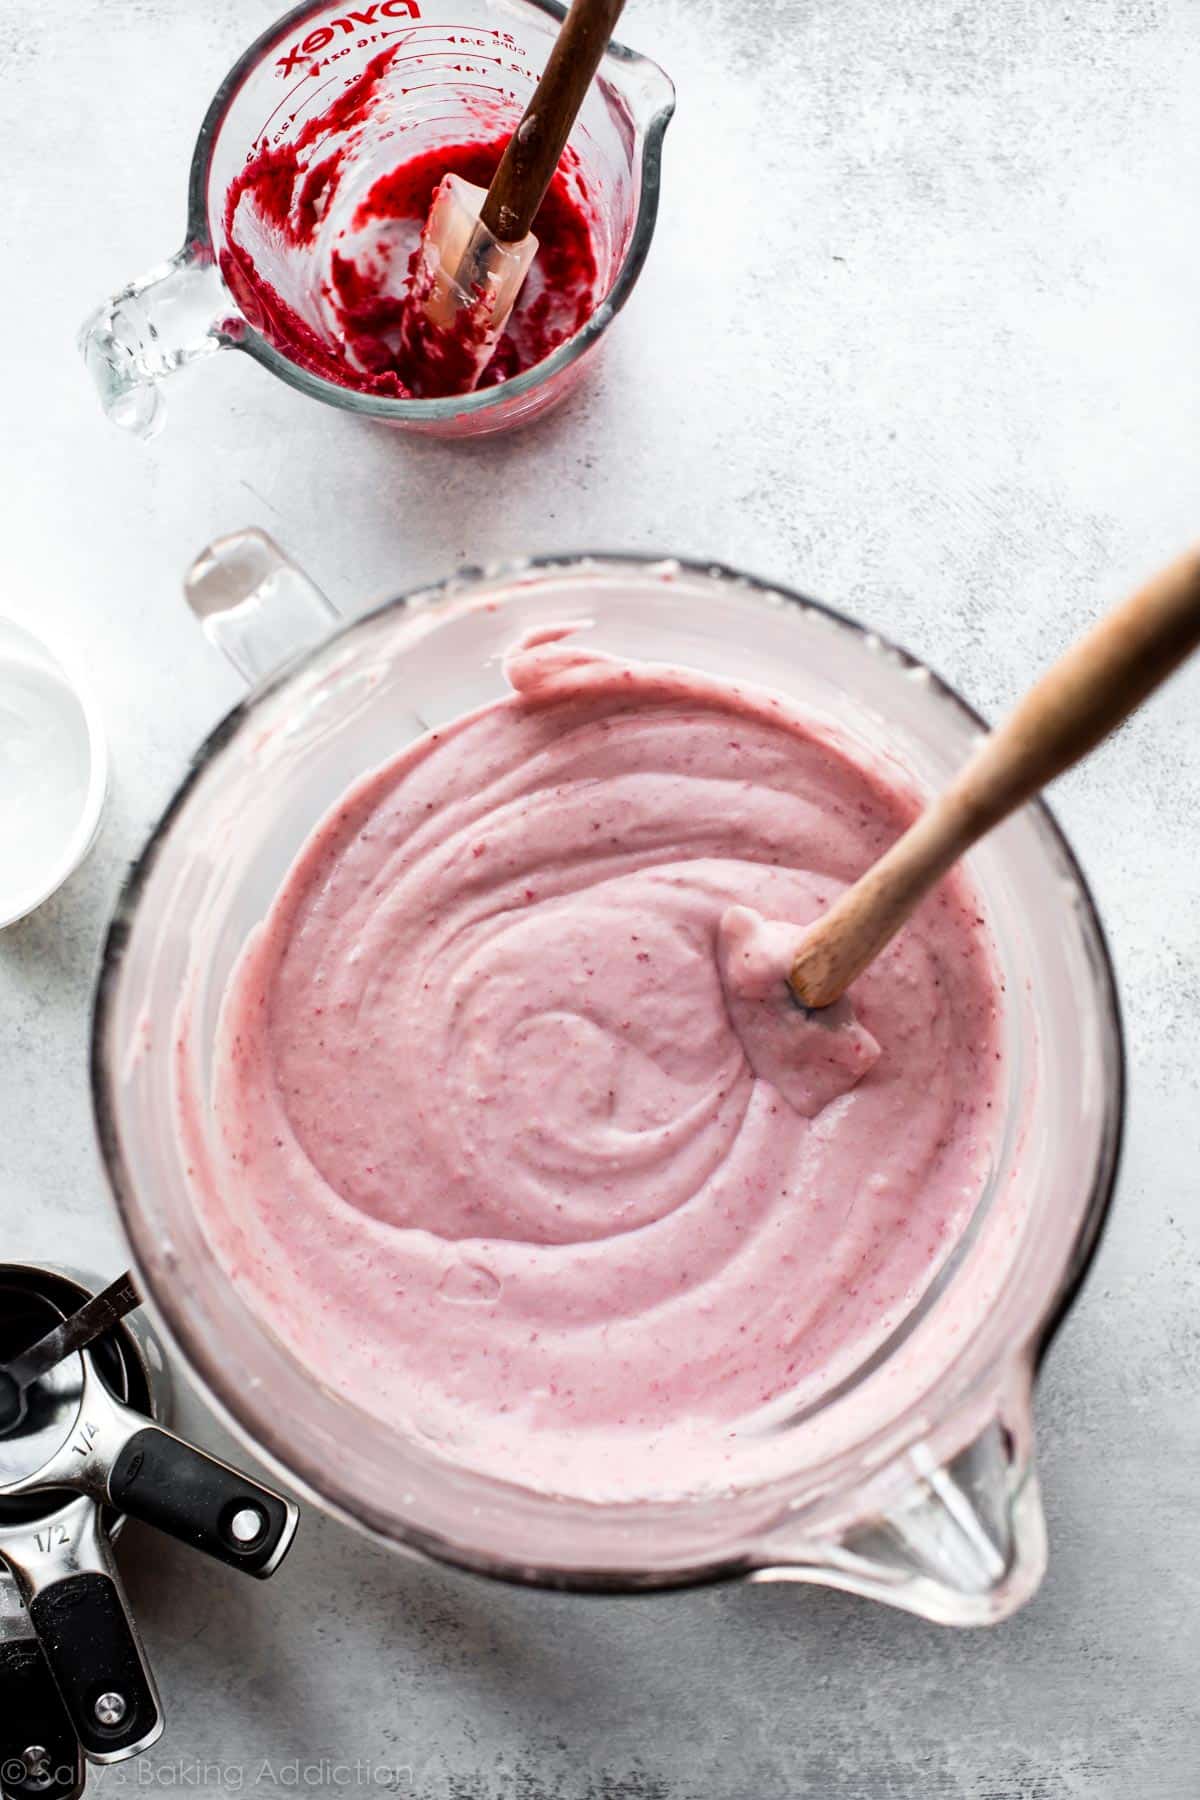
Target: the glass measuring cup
(457, 71)
(914, 1480)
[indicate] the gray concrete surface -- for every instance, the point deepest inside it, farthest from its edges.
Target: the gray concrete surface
(948, 376)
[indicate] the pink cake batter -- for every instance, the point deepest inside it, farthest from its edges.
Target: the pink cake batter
(521, 1145)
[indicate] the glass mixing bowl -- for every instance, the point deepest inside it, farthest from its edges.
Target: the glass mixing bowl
(914, 1480)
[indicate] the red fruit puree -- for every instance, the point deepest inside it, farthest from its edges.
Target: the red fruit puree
(324, 274)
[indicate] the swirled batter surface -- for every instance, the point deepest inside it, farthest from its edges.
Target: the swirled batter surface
(501, 1157)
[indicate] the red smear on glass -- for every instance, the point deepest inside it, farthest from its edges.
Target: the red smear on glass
(292, 199)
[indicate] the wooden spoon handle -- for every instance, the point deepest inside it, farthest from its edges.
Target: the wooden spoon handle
(1084, 697)
(528, 164)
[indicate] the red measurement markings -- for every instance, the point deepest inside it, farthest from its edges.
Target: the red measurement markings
(415, 35)
(318, 68)
(353, 21)
(260, 142)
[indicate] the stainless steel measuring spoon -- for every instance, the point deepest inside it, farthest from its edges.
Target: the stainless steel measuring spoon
(40, 1756)
(94, 1318)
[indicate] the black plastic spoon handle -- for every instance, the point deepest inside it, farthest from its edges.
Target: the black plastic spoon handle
(93, 1652)
(204, 1503)
(40, 1757)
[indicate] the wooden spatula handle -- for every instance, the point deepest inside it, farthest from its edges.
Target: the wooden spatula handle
(528, 164)
(1083, 698)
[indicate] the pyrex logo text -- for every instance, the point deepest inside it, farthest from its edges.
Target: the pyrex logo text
(324, 35)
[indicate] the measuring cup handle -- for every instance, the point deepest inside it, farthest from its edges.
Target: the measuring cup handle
(65, 1573)
(40, 1758)
(202, 1502)
(178, 312)
(92, 1647)
(255, 605)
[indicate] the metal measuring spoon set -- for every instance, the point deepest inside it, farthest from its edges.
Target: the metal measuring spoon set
(80, 1451)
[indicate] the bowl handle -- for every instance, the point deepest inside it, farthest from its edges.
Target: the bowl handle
(178, 312)
(258, 608)
(962, 1542)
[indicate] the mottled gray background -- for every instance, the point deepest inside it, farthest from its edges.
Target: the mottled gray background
(919, 333)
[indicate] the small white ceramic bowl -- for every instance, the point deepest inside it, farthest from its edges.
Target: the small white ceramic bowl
(53, 773)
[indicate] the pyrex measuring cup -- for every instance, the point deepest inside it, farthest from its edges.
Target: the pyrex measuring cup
(913, 1481)
(456, 70)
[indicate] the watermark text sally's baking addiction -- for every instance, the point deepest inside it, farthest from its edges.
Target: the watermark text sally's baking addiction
(235, 1778)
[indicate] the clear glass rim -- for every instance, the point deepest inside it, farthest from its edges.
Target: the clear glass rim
(321, 1486)
(199, 245)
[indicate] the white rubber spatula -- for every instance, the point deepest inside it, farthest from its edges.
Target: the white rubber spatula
(1084, 697)
(477, 245)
